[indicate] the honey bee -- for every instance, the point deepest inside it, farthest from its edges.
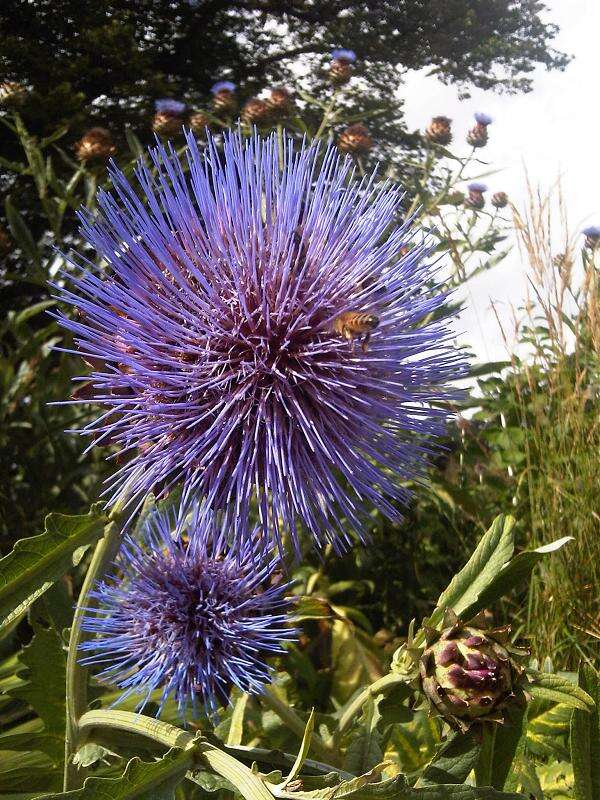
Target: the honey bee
(353, 325)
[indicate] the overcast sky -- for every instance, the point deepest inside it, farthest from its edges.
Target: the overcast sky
(553, 130)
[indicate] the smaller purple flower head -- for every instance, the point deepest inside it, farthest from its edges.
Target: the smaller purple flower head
(186, 616)
(480, 188)
(593, 231)
(483, 119)
(222, 86)
(344, 55)
(169, 106)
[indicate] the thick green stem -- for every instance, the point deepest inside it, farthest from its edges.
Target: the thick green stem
(381, 686)
(77, 676)
(296, 724)
(326, 116)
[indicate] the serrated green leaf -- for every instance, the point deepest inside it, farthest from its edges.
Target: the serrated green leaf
(560, 690)
(365, 750)
(453, 761)
(513, 574)
(493, 551)
(44, 690)
(585, 740)
(140, 781)
(35, 563)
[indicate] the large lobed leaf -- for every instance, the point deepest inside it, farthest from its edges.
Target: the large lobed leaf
(35, 563)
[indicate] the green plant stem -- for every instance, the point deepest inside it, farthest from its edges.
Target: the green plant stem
(76, 684)
(323, 750)
(326, 116)
(381, 686)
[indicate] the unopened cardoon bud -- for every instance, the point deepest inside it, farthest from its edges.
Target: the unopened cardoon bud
(96, 144)
(355, 140)
(6, 245)
(199, 122)
(476, 199)
(168, 119)
(12, 94)
(341, 67)
(224, 101)
(478, 135)
(592, 236)
(468, 674)
(256, 112)
(439, 130)
(280, 102)
(499, 199)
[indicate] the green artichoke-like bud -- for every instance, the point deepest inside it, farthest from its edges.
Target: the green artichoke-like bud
(469, 675)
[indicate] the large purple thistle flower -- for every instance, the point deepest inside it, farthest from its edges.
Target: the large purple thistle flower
(217, 345)
(187, 616)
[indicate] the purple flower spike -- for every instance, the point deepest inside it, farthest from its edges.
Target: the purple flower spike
(229, 336)
(483, 119)
(222, 86)
(187, 617)
(344, 55)
(168, 106)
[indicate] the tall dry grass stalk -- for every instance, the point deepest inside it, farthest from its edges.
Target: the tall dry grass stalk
(557, 393)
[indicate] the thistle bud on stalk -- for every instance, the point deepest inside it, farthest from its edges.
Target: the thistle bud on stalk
(256, 112)
(439, 130)
(500, 200)
(224, 101)
(456, 198)
(469, 672)
(12, 94)
(341, 67)
(280, 102)
(168, 119)
(478, 135)
(476, 199)
(592, 236)
(355, 140)
(199, 122)
(96, 144)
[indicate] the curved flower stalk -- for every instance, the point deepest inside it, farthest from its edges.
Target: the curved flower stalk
(259, 333)
(186, 615)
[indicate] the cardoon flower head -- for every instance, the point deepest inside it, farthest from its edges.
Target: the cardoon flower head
(169, 106)
(222, 86)
(477, 187)
(186, 616)
(344, 55)
(483, 119)
(592, 236)
(223, 333)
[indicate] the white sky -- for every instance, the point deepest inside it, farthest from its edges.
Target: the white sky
(554, 130)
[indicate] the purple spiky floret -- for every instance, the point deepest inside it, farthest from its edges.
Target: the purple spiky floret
(593, 231)
(187, 618)
(222, 86)
(213, 341)
(169, 106)
(344, 55)
(477, 187)
(483, 119)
